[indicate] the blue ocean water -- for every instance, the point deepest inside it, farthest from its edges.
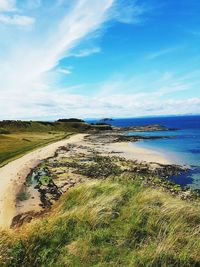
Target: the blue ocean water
(183, 149)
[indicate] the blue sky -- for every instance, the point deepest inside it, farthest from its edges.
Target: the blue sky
(86, 58)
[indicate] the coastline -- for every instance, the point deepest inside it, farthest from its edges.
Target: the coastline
(13, 175)
(174, 157)
(134, 151)
(17, 171)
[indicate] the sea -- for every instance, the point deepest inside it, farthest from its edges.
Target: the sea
(182, 149)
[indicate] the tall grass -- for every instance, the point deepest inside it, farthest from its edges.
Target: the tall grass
(109, 224)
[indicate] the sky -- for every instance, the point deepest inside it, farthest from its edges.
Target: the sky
(99, 58)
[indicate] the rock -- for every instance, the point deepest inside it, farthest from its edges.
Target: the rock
(18, 220)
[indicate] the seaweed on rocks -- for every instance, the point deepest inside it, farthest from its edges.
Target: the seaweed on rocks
(100, 168)
(75, 163)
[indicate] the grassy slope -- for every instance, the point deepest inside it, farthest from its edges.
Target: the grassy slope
(109, 223)
(26, 136)
(19, 137)
(35, 126)
(17, 144)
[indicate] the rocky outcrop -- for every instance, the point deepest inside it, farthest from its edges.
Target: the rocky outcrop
(148, 128)
(135, 138)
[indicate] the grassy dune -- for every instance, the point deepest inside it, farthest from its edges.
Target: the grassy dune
(109, 223)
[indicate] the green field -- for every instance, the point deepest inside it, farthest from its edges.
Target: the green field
(19, 137)
(109, 223)
(17, 144)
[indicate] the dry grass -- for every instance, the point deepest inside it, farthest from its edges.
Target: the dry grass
(109, 224)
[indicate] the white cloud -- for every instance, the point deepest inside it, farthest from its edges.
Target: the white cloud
(48, 47)
(32, 58)
(64, 71)
(86, 52)
(11, 5)
(54, 105)
(114, 102)
(156, 82)
(10, 14)
(7, 5)
(24, 69)
(16, 20)
(129, 11)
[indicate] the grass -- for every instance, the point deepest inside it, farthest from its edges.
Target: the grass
(20, 137)
(16, 144)
(44, 180)
(109, 223)
(115, 222)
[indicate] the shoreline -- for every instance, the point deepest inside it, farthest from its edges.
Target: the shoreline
(17, 171)
(134, 151)
(14, 174)
(172, 156)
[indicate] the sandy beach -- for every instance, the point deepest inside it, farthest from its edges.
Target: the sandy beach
(135, 151)
(13, 175)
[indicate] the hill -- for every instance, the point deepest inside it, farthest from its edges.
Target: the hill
(19, 137)
(42, 126)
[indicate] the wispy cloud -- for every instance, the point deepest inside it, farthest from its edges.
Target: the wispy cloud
(122, 97)
(10, 14)
(30, 63)
(160, 53)
(26, 66)
(54, 105)
(16, 20)
(64, 71)
(86, 52)
(16, 6)
(48, 48)
(7, 5)
(130, 11)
